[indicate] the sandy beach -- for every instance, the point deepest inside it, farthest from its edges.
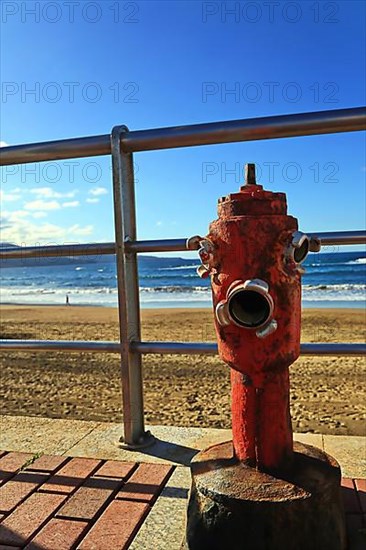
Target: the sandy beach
(327, 393)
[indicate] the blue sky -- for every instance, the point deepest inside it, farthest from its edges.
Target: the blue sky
(78, 68)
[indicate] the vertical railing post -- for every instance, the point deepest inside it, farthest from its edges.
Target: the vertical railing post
(128, 294)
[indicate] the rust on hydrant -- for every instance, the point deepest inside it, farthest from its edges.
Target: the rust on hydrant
(253, 253)
(260, 491)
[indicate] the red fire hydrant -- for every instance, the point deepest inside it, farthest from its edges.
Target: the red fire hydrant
(253, 252)
(260, 481)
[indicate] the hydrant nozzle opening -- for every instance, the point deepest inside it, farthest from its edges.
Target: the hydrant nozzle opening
(249, 308)
(300, 246)
(248, 305)
(301, 252)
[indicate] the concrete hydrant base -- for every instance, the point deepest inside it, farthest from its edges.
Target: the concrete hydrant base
(234, 506)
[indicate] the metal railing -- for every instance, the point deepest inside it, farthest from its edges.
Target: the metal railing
(164, 348)
(121, 144)
(163, 245)
(303, 124)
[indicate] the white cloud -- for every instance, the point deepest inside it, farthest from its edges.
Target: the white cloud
(159, 223)
(12, 195)
(14, 215)
(3, 144)
(77, 230)
(19, 230)
(92, 200)
(97, 191)
(70, 204)
(38, 215)
(49, 193)
(42, 205)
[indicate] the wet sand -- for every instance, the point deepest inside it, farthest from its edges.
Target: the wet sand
(327, 393)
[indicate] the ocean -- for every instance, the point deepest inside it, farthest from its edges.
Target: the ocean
(336, 279)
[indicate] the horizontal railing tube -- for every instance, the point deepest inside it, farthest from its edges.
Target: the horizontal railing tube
(333, 349)
(340, 237)
(70, 250)
(91, 249)
(60, 345)
(282, 126)
(179, 348)
(91, 146)
(163, 245)
(165, 348)
(209, 348)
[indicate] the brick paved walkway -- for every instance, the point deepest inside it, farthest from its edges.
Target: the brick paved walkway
(61, 503)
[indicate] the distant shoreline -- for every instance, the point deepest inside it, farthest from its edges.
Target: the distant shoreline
(331, 280)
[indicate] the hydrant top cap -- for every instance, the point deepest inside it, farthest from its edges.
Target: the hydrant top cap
(253, 191)
(252, 200)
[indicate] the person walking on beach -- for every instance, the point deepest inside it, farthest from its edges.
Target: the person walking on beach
(67, 300)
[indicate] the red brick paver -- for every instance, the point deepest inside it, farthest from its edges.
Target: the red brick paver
(11, 463)
(47, 463)
(115, 468)
(19, 487)
(17, 528)
(146, 482)
(57, 534)
(71, 475)
(116, 527)
(90, 498)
